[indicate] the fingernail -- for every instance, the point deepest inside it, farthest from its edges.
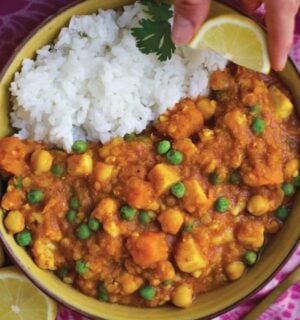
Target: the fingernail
(280, 63)
(183, 30)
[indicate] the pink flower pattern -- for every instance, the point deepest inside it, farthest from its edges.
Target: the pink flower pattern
(17, 19)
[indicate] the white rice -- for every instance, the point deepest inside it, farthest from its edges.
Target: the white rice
(93, 83)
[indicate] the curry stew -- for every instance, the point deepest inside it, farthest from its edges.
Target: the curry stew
(167, 215)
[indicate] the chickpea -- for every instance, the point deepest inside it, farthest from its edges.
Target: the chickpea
(235, 270)
(14, 222)
(258, 205)
(291, 168)
(41, 161)
(182, 296)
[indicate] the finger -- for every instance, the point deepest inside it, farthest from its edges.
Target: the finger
(251, 5)
(280, 20)
(189, 15)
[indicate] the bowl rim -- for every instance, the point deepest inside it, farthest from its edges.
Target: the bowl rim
(48, 292)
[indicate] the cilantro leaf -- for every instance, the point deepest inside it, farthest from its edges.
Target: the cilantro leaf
(158, 11)
(154, 35)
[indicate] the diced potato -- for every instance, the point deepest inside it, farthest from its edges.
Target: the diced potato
(165, 270)
(182, 121)
(13, 199)
(171, 220)
(111, 227)
(250, 233)
(44, 253)
(282, 104)
(103, 171)
(186, 147)
(194, 195)
(129, 283)
(80, 165)
(14, 222)
(41, 161)
(12, 155)
(207, 107)
(138, 193)
(107, 207)
(258, 205)
(188, 256)
(235, 270)
(162, 177)
(182, 296)
(148, 248)
(290, 169)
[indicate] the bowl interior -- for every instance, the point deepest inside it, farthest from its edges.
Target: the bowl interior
(207, 305)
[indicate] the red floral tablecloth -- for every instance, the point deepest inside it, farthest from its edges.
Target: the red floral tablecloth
(17, 19)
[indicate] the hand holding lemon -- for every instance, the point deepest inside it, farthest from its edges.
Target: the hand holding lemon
(190, 14)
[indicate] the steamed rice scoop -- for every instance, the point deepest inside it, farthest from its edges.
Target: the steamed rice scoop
(94, 84)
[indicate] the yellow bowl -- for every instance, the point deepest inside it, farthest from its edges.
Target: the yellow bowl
(207, 305)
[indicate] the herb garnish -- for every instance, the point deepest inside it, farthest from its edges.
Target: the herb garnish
(154, 34)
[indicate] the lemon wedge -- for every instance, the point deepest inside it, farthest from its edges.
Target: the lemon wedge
(237, 38)
(20, 299)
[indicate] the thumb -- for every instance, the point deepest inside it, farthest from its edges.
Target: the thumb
(189, 15)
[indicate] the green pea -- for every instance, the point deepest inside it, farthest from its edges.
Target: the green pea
(222, 204)
(147, 292)
(258, 126)
(167, 282)
(74, 203)
(250, 257)
(281, 213)
(130, 137)
(214, 179)
(24, 238)
(94, 224)
(58, 170)
(235, 178)
(288, 189)
(71, 215)
(189, 227)
(163, 146)
(35, 196)
(83, 232)
(102, 292)
(297, 181)
(144, 217)
(62, 272)
(81, 266)
(79, 146)
(127, 213)
(178, 190)
(19, 182)
(174, 157)
(255, 108)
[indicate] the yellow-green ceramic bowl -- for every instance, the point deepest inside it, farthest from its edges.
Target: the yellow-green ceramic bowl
(207, 305)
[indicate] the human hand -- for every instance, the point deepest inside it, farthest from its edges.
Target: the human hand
(280, 21)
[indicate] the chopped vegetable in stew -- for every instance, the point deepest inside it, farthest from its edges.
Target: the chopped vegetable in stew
(166, 217)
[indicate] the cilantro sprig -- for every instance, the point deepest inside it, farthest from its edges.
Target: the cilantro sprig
(154, 34)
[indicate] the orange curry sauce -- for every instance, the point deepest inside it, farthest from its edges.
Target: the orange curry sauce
(165, 247)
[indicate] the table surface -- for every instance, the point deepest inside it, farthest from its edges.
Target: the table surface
(17, 19)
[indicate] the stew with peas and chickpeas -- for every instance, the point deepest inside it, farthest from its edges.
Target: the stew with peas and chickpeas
(166, 215)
